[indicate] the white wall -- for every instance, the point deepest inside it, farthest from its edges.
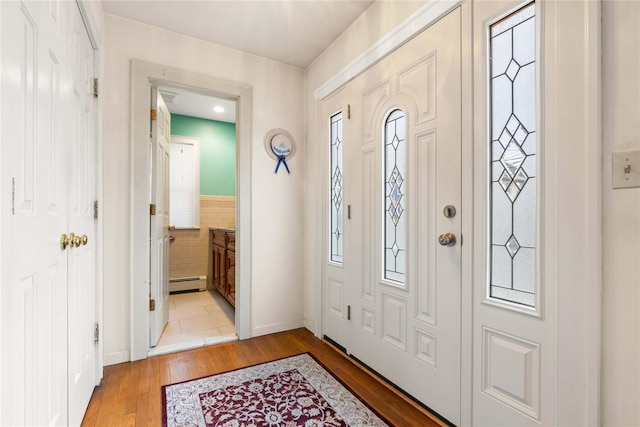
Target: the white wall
(277, 221)
(621, 217)
(371, 26)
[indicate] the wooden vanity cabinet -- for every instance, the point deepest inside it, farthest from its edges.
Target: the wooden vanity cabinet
(223, 262)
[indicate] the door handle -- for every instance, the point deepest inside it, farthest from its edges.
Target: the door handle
(172, 228)
(64, 241)
(447, 239)
(84, 239)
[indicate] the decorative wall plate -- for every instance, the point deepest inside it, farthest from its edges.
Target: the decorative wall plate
(280, 146)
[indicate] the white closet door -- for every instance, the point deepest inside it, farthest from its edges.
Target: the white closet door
(47, 291)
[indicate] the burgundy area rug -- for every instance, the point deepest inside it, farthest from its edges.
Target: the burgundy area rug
(292, 392)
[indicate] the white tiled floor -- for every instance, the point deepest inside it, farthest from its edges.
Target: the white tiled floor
(197, 315)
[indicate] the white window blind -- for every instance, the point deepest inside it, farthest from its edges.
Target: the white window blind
(185, 182)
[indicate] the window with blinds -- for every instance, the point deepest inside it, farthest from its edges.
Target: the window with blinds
(184, 196)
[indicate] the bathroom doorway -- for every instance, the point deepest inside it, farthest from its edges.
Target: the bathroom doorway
(202, 199)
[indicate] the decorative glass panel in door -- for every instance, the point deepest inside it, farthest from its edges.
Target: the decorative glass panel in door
(513, 158)
(336, 188)
(395, 161)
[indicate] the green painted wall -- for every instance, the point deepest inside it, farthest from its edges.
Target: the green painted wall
(217, 152)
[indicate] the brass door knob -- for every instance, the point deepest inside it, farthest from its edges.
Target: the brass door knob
(84, 239)
(447, 239)
(64, 241)
(172, 228)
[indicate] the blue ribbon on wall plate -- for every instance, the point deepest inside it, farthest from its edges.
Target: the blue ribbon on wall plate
(280, 145)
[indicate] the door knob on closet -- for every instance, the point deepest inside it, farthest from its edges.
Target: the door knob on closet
(172, 228)
(74, 241)
(84, 239)
(64, 241)
(447, 239)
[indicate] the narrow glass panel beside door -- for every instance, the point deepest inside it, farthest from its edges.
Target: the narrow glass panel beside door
(513, 198)
(336, 188)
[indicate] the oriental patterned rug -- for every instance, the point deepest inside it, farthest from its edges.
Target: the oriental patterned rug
(293, 392)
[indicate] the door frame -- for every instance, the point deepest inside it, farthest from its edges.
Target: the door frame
(584, 320)
(95, 37)
(143, 74)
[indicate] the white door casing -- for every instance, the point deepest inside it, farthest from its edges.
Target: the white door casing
(159, 262)
(409, 333)
(82, 315)
(48, 167)
(143, 74)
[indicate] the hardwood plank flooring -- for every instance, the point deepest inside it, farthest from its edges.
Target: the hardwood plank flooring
(130, 392)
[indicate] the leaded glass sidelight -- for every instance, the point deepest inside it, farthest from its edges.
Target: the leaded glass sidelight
(336, 188)
(395, 170)
(513, 158)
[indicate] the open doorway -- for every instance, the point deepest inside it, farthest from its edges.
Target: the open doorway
(202, 195)
(145, 76)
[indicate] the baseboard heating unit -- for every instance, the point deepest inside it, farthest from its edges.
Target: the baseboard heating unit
(195, 283)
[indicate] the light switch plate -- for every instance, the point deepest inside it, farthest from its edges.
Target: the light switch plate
(626, 169)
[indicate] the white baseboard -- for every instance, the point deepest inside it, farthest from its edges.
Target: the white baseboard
(116, 357)
(276, 327)
(311, 327)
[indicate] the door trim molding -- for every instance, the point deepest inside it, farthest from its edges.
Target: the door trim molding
(428, 14)
(143, 74)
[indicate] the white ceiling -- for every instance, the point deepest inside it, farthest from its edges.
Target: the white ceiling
(291, 31)
(180, 101)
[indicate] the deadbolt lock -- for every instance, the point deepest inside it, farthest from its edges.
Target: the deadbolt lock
(449, 211)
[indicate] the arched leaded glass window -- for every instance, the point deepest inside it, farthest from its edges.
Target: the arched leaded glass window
(395, 172)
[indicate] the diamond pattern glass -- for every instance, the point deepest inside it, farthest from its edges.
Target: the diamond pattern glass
(336, 188)
(394, 219)
(513, 151)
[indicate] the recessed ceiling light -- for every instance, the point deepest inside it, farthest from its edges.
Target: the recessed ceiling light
(218, 109)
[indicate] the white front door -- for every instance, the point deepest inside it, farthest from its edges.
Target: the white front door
(402, 265)
(47, 291)
(82, 169)
(160, 151)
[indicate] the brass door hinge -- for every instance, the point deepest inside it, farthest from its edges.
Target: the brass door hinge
(348, 312)
(349, 111)
(154, 114)
(95, 209)
(152, 305)
(96, 333)
(95, 88)
(152, 209)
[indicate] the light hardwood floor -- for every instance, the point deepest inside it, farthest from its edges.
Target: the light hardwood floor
(130, 392)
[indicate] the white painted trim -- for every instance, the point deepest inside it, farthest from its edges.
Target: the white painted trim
(116, 357)
(143, 74)
(427, 15)
(95, 37)
(467, 215)
(90, 23)
(277, 327)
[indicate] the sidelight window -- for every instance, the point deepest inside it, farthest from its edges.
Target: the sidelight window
(337, 230)
(513, 195)
(395, 171)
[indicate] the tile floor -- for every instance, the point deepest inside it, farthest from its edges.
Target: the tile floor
(198, 315)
